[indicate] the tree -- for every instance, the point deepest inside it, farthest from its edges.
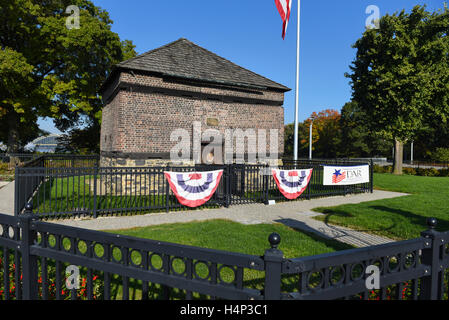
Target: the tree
(79, 141)
(50, 70)
(325, 134)
(357, 141)
(400, 76)
(289, 141)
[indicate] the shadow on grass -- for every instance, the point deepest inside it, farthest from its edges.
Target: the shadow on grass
(414, 219)
(316, 235)
(418, 220)
(331, 212)
(329, 237)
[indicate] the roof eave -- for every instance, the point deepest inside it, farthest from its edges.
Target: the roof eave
(118, 68)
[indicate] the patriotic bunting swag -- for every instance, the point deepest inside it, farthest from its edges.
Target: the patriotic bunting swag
(292, 183)
(193, 189)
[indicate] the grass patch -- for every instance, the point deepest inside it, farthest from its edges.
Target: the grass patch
(235, 237)
(397, 218)
(75, 196)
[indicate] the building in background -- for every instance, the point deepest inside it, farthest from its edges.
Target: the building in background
(45, 143)
(172, 87)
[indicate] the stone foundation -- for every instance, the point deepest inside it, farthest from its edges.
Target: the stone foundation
(117, 180)
(107, 162)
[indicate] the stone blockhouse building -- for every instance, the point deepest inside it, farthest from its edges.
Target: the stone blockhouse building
(172, 87)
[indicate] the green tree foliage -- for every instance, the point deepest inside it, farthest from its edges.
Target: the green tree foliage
(356, 140)
(49, 70)
(400, 76)
(289, 141)
(336, 135)
(79, 141)
(441, 154)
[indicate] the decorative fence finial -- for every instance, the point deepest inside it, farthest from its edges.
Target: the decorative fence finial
(29, 208)
(274, 240)
(432, 223)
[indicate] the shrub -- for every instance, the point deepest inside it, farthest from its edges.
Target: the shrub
(382, 169)
(444, 173)
(409, 171)
(378, 169)
(431, 172)
(441, 154)
(4, 167)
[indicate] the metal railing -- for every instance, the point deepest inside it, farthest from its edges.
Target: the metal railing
(20, 157)
(74, 187)
(32, 175)
(35, 256)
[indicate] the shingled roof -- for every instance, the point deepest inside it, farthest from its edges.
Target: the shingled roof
(184, 59)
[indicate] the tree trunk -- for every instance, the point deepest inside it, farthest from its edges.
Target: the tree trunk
(398, 157)
(13, 133)
(13, 137)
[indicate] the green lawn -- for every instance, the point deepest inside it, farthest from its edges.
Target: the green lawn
(235, 237)
(74, 194)
(398, 218)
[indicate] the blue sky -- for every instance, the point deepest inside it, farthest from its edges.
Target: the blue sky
(248, 32)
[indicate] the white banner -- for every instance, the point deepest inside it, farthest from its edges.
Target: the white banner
(343, 176)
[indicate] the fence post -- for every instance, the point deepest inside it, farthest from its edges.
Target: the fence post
(431, 286)
(266, 183)
(29, 262)
(95, 192)
(16, 191)
(227, 178)
(167, 193)
(273, 269)
(372, 176)
(242, 179)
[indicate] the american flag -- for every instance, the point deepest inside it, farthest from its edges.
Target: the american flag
(284, 7)
(337, 177)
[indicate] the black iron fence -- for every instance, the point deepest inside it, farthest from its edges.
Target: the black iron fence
(409, 270)
(28, 181)
(38, 258)
(20, 157)
(76, 186)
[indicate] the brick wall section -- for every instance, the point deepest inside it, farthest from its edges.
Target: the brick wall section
(139, 122)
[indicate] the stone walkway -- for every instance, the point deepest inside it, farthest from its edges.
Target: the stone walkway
(295, 214)
(7, 198)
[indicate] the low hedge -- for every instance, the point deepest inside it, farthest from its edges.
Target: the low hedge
(425, 172)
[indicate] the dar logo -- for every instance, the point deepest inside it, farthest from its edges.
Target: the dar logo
(338, 177)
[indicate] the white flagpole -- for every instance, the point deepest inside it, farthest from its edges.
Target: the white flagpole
(295, 146)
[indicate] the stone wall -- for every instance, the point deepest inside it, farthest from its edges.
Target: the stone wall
(139, 117)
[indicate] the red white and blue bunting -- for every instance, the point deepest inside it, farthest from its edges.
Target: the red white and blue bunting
(292, 183)
(193, 189)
